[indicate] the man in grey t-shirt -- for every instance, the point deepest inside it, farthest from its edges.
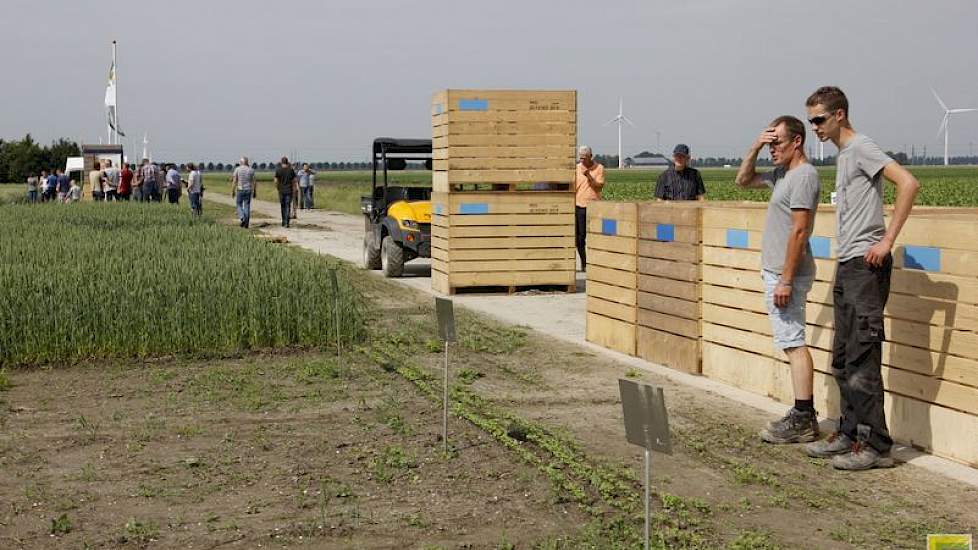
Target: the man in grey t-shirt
(787, 266)
(862, 282)
(243, 188)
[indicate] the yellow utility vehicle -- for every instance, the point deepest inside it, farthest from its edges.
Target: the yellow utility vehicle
(396, 219)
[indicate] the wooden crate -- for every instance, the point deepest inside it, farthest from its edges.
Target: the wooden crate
(496, 140)
(669, 284)
(930, 358)
(508, 240)
(503, 206)
(612, 280)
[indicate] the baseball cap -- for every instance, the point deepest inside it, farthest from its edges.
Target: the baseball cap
(681, 149)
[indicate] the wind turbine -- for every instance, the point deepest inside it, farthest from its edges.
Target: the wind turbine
(619, 119)
(946, 123)
(145, 143)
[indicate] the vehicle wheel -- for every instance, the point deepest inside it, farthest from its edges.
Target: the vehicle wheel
(371, 253)
(391, 258)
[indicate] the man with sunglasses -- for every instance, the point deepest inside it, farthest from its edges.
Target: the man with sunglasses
(862, 282)
(787, 264)
(680, 182)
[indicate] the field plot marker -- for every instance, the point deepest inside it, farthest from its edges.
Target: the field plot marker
(446, 331)
(335, 288)
(646, 425)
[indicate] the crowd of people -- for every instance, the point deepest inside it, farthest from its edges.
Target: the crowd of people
(150, 182)
(146, 183)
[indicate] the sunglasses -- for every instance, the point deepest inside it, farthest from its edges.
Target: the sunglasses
(819, 119)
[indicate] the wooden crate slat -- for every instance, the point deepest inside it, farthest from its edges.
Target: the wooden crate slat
(611, 333)
(505, 163)
(502, 151)
(682, 271)
(474, 140)
(669, 323)
(677, 352)
(615, 310)
(669, 305)
(617, 277)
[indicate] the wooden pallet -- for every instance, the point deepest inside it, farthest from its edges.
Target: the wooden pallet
(612, 280)
(504, 240)
(503, 140)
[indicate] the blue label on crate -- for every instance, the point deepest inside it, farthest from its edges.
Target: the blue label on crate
(926, 258)
(821, 247)
(665, 232)
(738, 238)
(438, 209)
(439, 108)
(473, 105)
(473, 208)
(609, 227)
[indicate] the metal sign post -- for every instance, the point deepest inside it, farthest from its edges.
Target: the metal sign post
(646, 425)
(335, 288)
(446, 331)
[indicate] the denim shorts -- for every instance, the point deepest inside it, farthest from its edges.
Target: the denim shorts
(788, 323)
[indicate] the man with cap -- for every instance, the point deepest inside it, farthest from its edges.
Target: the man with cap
(680, 182)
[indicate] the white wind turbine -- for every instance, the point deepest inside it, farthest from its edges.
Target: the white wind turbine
(619, 119)
(946, 123)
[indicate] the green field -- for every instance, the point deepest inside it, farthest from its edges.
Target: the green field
(162, 282)
(940, 186)
(341, 190)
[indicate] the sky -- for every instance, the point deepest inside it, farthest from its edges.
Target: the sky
(213, 80)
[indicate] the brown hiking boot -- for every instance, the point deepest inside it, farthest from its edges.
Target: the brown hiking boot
(794, 427)
(862, 457)
(836, 444)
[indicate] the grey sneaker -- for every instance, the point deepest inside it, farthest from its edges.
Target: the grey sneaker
(794, 427)
(861, 457)
(836, 444)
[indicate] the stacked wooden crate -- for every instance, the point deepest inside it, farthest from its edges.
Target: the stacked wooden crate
(930, 357)
(503, 201)
(669, 284)
(612, 278)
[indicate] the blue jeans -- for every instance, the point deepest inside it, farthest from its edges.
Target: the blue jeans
(286, 201)
(32, 197)
(243, 202)
(195, 205)
(307, 197)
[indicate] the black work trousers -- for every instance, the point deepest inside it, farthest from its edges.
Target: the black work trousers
(858, 297)
(580, 234)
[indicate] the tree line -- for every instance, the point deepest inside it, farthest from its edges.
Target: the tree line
(19, 159)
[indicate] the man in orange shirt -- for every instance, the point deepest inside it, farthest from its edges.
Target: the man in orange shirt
(587, 187)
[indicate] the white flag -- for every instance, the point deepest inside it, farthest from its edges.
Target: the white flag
(110, 101)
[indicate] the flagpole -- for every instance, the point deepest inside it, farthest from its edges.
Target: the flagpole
(115, 79)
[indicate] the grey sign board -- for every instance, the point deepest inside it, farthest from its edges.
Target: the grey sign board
(646, 419)
(446, 319)
(333, 284)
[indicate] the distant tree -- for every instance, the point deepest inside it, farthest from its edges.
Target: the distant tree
(219, 166)
(254, 165)
(899, 157)
(210, 165)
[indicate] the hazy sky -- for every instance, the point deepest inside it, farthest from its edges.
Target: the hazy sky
(214, 79)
